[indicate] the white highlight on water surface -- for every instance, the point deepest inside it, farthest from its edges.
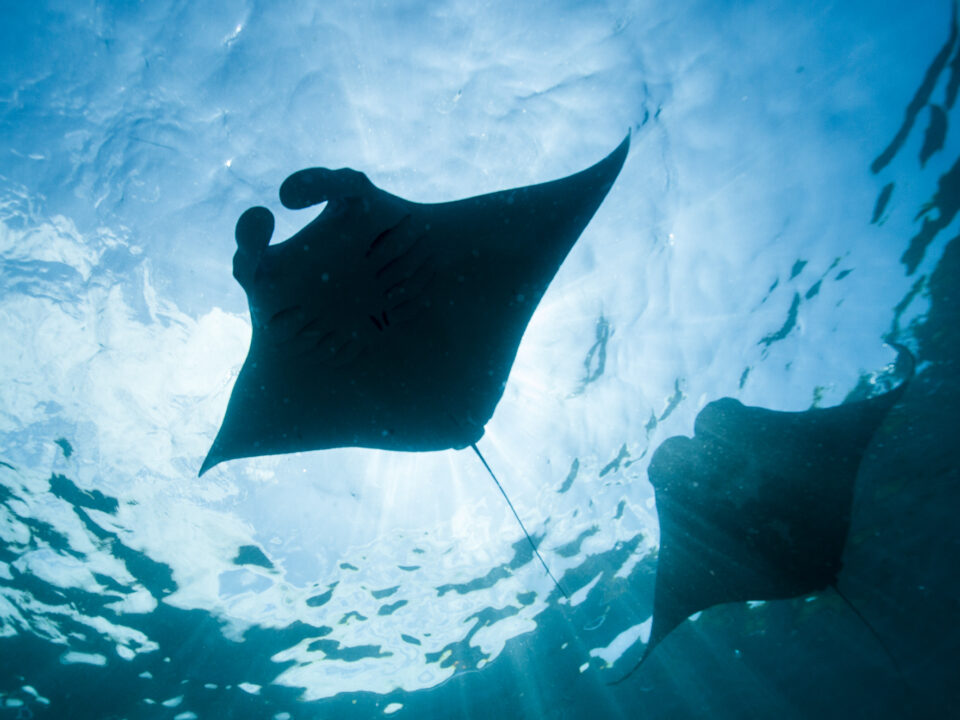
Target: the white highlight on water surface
(73, 656)
(623, 642)
(580, 595)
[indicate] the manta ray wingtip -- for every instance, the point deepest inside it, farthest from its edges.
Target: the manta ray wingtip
(599, 178)
(906, 361)
(209, 462)
(607, 170)
(619, 155)
(651, 644)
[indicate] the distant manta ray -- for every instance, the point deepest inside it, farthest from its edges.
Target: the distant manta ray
(756, 505)
(390, 324)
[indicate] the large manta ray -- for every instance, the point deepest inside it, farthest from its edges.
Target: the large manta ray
(756, 505)
(390, 324)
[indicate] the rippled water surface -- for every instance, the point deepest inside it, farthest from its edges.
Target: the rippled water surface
(788, 205)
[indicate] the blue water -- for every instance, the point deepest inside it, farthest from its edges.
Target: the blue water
(788, 205)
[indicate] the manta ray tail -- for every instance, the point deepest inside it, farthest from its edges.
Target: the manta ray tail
(872, 629)
(631, 671)
(849, 604)
(911, 693)
(514, 511)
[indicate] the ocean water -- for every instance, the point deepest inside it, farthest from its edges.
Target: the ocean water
(788, 206)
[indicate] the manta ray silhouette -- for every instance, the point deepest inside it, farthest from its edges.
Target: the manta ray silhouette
(756, 505)
(390, 324)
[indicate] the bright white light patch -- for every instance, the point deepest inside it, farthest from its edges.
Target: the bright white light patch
(622, 642)
(72, 657)
(580, 595)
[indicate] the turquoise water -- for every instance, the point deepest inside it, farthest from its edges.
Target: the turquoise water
(788, 205)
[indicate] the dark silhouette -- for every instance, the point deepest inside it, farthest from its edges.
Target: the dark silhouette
(756, 506)
(390, 324)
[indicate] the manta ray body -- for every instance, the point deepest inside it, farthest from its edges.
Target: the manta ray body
(391, 324)
(757, 504)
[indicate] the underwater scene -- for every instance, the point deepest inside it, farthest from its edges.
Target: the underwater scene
(471, 360)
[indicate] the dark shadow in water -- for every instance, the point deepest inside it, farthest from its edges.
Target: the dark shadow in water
(946, 202)
(882, 199)
(935, 135)
(920, 99)
(788, 324)
(595, 363)
(522, 554)
(252, 555)
(63, 488)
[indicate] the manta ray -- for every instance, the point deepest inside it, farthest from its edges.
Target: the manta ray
(756, 505)
(391, 324)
